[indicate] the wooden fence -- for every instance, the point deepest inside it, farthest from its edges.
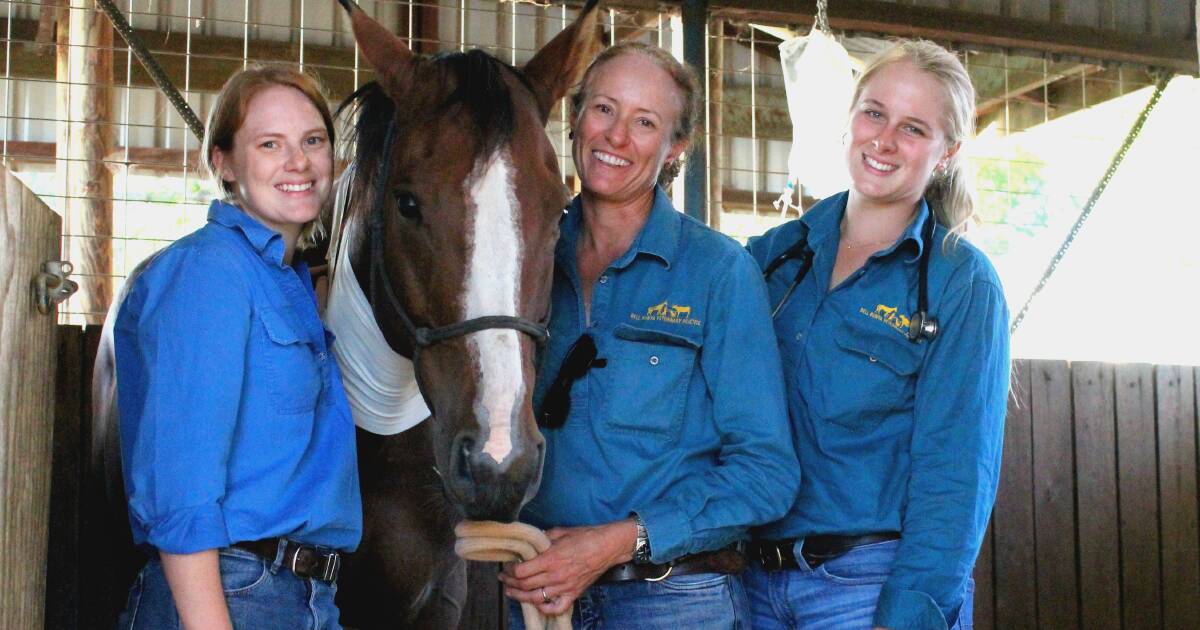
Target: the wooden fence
(1095, 524)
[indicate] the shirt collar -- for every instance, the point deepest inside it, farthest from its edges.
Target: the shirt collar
(825, 218)
(659, 237)
(267, 242)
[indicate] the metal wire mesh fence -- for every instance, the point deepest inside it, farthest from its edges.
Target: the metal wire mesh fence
(53, 78)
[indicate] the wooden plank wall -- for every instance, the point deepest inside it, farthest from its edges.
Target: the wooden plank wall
(1095, 525)
(1096, 519)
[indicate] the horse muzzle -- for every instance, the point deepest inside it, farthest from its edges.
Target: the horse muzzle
(486, 489)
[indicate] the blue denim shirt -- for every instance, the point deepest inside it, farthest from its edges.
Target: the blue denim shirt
(234, 424)
(686, 424)
(894, 435)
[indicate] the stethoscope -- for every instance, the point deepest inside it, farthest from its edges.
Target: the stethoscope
(922, 326)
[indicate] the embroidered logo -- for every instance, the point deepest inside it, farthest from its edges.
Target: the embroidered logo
(888, 315)
(666, 312)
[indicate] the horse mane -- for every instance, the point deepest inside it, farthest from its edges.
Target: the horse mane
(478, 90)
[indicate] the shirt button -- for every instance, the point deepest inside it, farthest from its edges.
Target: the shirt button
(653, 360)
(604, 279)
(873, 359)
(799, 336)
(322, 356)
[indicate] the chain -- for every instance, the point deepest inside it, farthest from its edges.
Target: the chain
(822, 23)
(1164, 77)
(121, 25)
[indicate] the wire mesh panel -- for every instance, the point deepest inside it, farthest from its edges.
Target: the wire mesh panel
(159, 190)
(1027, 104)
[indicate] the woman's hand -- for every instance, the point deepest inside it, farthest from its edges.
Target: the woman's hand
(576, 558)
(195, 581)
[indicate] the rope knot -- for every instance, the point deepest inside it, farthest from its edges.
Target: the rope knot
(490, 541)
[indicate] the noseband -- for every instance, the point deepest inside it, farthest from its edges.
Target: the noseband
(425, 336)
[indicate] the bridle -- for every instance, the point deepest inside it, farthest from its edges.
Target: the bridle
(425, 336)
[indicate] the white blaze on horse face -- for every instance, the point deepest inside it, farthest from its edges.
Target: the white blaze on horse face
(492, 288)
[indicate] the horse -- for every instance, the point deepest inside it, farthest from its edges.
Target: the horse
(453, 204)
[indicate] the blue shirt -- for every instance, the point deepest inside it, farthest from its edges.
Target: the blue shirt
(234, 424)
(894, 435)
(686, 424)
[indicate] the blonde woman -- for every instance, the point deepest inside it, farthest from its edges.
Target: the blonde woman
(894, 336)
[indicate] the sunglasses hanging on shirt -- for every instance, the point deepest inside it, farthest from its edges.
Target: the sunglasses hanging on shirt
(922, 326)
(580, 358)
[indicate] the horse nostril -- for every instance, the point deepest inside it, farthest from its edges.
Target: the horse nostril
(465, 446)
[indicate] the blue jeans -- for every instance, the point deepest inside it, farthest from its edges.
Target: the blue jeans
(259, 593)
(840, 594)
(712, 601)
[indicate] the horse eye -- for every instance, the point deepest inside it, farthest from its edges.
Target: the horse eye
(407, 204)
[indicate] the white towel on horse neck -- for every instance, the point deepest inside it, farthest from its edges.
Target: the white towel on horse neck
(380, 384)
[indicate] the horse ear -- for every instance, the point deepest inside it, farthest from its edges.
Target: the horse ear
(383, 50)
(560, 63)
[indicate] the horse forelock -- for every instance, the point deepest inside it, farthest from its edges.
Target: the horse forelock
(470, 85)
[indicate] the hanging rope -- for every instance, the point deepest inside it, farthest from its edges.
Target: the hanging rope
(121, 25)
(1164, 77)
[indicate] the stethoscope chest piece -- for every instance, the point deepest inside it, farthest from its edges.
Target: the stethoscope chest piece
(922, 327)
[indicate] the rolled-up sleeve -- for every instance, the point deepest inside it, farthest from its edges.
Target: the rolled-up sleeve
(757, 473)
(181, 341)
(956, 445)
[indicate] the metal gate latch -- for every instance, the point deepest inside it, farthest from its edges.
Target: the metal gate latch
(51, 287)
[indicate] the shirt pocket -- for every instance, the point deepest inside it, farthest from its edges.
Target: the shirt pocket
(294, 378)
(649, 371)
(875, 375)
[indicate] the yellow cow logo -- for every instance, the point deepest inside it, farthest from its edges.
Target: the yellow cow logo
(888, 315)
(680, 312)
(666, 312)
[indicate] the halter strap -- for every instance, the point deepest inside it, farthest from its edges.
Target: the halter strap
(425, 336)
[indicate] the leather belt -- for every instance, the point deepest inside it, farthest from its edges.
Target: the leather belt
(306, 561)
(775, 555)
(729, 561)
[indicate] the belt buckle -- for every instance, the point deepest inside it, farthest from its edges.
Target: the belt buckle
(333, 562)
(670, 568)
(769, 562)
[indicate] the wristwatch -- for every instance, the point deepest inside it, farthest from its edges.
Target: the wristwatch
(641, 548)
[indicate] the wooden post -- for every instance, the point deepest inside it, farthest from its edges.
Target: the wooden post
(89, 185)
(27, 354)
(716, 104)
(695, 177)
(62, 96)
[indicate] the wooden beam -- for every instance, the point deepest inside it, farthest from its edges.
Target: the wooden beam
(987, 106)
(213, 59)
(889, 18)
(89, 187)
(148, 158)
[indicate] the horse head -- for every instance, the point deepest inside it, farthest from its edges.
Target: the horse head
(457, 195)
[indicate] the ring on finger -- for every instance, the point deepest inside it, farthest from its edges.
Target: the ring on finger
(545, 598)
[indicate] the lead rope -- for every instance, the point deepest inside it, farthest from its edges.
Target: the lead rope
(1163, 79)
(490, 541)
